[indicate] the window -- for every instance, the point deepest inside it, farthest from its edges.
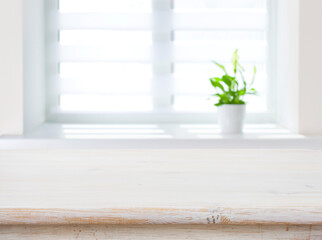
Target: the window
(150, 60)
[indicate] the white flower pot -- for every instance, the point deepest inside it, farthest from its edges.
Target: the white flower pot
(231, 118)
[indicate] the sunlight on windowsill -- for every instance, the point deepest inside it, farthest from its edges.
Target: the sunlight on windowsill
(158, 131)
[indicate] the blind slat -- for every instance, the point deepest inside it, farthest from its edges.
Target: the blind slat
(181, 53)
(220, 19)
(164, 41)
(195, 53)
(103, 103)
(113, 85)
(239, 20)
(104, 5)
(113, 53)
(202, 86)
(104, 37)
(117, 21)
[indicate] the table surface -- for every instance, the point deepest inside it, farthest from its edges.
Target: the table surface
(213, 186)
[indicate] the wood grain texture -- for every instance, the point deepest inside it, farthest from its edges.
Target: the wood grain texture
(161, 232)
(161, 187)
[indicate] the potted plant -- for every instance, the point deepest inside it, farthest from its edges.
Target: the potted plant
(230, 91)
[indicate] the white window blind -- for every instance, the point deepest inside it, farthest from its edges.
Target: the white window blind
(151, 55)
(211, 30)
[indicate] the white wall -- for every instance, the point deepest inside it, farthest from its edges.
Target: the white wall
(287, 58)
(22, 77)
(310, 55)
(11, 67)
(299, 64)
(34, 64)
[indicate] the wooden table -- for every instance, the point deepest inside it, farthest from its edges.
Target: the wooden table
(161, 194)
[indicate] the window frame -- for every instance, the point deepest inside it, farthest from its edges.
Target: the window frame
(162, 112)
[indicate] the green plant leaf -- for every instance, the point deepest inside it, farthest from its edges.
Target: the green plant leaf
(224, 97)
(241, 67)
(243, 78)
(216, 84)
(232, 89)
(235, 61)
(221, 66)
(242, 92)
(255, 71)
(228, 80)
(252, 91)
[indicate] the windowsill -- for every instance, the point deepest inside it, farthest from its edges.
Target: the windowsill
(120, 136)
(157, 131)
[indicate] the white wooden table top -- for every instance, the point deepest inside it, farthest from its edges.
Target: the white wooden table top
(161, 186)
